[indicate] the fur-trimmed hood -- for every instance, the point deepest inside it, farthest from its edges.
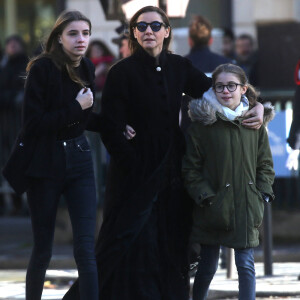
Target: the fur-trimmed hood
(205, 110)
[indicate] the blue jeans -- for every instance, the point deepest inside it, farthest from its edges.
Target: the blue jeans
(76, 183)
(208, 265)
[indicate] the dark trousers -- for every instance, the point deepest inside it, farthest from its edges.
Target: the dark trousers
(76, 182)
(208, 266)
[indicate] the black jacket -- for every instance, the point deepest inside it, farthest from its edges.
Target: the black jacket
(44, 114)
(146, 168)
(294, 135)
(205, 60)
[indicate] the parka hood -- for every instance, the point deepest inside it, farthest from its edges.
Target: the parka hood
(205, 110)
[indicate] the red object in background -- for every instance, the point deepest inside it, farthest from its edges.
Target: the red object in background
(101, 78)
(103, 59)
(297, 73)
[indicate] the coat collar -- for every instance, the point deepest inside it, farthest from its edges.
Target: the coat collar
(207, 109)
(149, 60)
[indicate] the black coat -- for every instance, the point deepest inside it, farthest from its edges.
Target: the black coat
(294, 135)
(144, 172)
(147, 168)
(205, 60)
(44, 114)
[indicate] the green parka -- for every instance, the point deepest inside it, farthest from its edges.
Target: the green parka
(225, 169)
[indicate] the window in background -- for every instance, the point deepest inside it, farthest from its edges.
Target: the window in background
(32, 19)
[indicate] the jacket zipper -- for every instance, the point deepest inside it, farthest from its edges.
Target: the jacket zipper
(243, 179)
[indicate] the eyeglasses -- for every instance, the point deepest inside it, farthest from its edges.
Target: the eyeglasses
(231, 87)
(155, 26)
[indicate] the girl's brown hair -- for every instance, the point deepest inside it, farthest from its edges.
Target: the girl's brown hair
(133, 44)
(53, 49)
(251, 93)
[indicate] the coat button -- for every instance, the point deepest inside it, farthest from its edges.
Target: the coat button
(65, 144)
(158, 69)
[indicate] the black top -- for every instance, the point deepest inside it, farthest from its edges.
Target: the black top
(47, 112)
(145, 93)
(205, 60)
(294, 135)
(70, 89)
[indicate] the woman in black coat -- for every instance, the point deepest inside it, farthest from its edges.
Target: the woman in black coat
(141, 250)
(52, 157)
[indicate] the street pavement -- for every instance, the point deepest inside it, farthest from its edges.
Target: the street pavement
(16, 243)
(283, 284)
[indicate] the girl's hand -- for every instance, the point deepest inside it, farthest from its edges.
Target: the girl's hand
(85, 98)
(254, 117)
(129, 133)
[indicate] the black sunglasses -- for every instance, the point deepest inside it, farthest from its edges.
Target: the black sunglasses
(155, 26)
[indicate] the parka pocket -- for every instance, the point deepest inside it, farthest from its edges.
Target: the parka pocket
(255, 205)
(220, 214)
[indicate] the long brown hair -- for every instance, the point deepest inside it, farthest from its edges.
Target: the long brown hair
(251, 93)
(53, 49)
(133, 44)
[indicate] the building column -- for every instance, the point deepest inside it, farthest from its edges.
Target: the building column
(243, 17)
(11, 16)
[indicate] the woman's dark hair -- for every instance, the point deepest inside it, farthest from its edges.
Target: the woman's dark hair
(133, 44)
(251, 93)
(53, 48)
(100, 44)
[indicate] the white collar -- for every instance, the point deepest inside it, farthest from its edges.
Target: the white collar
(239, 111)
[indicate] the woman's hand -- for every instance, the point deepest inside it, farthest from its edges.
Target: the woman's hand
(85, 98)
(129, 133)
(254, 117)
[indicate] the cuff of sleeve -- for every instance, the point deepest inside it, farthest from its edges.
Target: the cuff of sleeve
(204, 199)
(267, 197)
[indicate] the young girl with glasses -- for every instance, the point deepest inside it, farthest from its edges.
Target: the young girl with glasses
(228, 171)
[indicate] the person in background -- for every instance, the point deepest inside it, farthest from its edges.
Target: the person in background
(12, 73)
(202, 58)
(52, 157)
(228, 172)
(124, 49)
(102, 58)
(122, 41)
(228, 44)
(293, 139)
(200, 38)
(1, 53)
(247, 57)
